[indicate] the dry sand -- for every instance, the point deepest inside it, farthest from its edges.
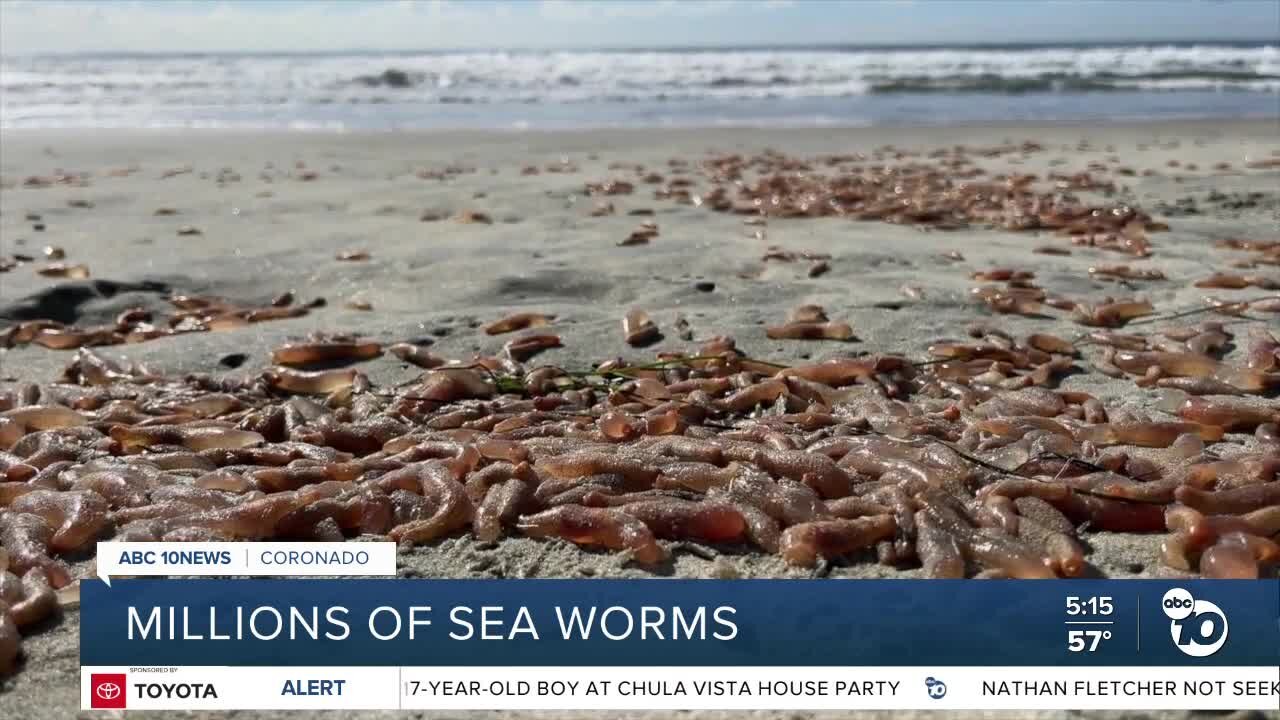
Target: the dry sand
(266, 230)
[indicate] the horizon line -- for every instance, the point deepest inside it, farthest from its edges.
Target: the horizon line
(711, 47)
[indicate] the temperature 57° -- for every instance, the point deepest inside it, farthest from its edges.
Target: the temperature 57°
(1086, 640)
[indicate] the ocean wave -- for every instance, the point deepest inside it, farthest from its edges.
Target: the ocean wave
(1064, 82)
(183, 85)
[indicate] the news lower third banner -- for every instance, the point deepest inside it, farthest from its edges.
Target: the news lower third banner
(670, 644)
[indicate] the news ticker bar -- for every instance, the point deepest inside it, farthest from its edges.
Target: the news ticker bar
(705, 623)
(672, 688)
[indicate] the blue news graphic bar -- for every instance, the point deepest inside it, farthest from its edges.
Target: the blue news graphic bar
(742, 622)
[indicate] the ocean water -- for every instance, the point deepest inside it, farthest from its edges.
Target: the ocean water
(643, 88)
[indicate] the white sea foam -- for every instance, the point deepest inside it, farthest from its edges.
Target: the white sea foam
(324, 90)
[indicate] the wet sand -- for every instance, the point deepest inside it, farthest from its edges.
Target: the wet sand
(268, 225)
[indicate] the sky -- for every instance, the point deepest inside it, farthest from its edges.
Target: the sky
(70, 26)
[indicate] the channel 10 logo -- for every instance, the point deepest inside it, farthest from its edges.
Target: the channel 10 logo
(1199, 627)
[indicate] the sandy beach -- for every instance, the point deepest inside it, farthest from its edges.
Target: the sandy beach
(250, 215)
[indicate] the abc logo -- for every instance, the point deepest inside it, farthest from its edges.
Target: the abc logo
(1198, 627)
(937, 689)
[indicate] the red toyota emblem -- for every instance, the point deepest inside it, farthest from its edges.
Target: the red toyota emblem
(107, 691)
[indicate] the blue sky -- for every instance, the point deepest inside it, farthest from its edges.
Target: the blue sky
(35, 26)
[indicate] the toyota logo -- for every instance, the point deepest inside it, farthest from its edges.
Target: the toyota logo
(108, 691)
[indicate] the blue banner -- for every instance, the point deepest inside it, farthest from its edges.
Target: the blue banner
(525, 622)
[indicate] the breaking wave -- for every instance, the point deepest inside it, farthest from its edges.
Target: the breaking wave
(89, 91)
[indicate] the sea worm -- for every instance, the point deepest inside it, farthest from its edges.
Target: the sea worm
(1112, 314)
(134, 439)
(1002, 275)
(329, 519)
(446, 385)
(1231, 415)
(1193, 365)
(684, 448)
(1125, 272)
(1210, 340)
(677, 519)
(698, 476)
(998, 512)
(844, 371)
(44, 417)
(38, 600)
(479, 482)
(160, 510)
(501, 507)
(273, 480)
(26, 538)
(853, 507)
(63, 270)
(14, 470)
(817, 471)
(522, 348)
(254, 519)
(804, 543)
(760, 529)
(211, 405)
(1111, 515)
(67, 338)
(311, 353)
(992, 551)
(763, 393)
(1043, 514)
(1149, 434)
(1066, 556)
(810, 331)
(786, 501)
(1198, 386)
(666, 423)
(1264, 350)
(1230, 502)
(496, 449)
(638, 474)
(1237, 282)
(518, 321)
(77, 517)
(939, 553)
(607, 527)
(453, 508)
(1239, 555)
(638, 329)
(361, 438)
(319, 382)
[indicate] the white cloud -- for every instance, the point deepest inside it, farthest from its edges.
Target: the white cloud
(577, 10)
(27, 27)
(31, 26)
(35, 26)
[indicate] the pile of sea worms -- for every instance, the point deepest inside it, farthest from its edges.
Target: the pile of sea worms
(972, 462)
(135, 325)
(946, 189)
(969, 464)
